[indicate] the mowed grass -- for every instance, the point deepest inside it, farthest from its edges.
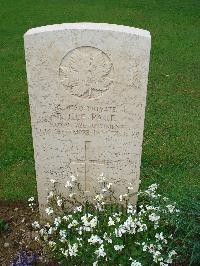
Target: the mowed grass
(170, 149)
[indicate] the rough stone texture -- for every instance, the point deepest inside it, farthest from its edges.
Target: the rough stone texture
(87, 91)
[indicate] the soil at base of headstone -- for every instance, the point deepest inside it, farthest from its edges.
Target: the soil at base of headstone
(19, 236)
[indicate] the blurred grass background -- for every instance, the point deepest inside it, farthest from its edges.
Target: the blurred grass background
(171, 148)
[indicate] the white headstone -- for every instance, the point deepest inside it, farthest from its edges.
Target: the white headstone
(87, 91)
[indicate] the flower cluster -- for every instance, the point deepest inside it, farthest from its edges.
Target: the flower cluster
(31, 203)
(106, 233)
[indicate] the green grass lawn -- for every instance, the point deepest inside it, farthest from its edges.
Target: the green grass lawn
(170, 149)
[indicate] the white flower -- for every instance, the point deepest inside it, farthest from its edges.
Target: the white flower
(64, 252)
(63, 233)
(119, 232)
(49, 210)
(36, 225)
(100, 251)
(153, 187)
(144, 247)
(135, 263)
(79, 241)
(73, 224)
(118, 219)
(84, 219)
(156, 256)
(68, 184)
(31, 199)
(53, 181)
(169, 260)
(120, 197)
(163, 264)
(116, 214)
(93, 222)
(156, 225)
(165, 198)
(170, 208)
(73, 249)
(109, 185)
(151, 191)
(66, 218)
(150, 208)
(57, 221)
(98, 197)
(118, 247)
(107, 238)
(151, 248)
(47, 225)
(31, 205)
(73, 178)
(59, 201)
(99, 206)
(87, 228)
(170, 255)
(130, 209)
(50, 231)
(143, 227)
(153, 217)
(101, 178)
(88, 224)
(80, 230)
(95, 239)
(141, 212)
(159, 236)
(78, 209)
(95, 263)
(72, 194)
(63, 240)
(111, 222)
(52, 243)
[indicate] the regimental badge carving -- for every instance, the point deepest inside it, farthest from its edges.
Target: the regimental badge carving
(86, 72)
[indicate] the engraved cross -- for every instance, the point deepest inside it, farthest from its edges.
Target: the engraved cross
(87, 163)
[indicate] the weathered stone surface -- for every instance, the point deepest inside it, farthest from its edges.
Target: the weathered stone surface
(87, 91)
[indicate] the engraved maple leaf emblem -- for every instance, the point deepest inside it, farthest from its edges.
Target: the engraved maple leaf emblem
(86, 72)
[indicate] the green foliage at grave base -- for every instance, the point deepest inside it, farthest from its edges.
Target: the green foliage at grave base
(101, 232)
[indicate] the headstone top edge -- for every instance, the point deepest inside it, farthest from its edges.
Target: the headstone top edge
(88, 26)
